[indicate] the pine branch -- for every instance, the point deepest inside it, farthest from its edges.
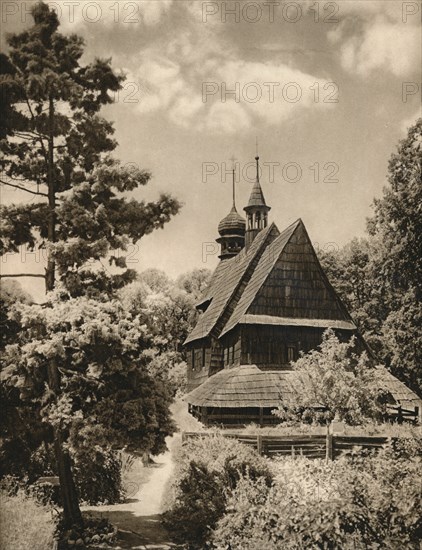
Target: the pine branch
(40, 140)
(23, 188)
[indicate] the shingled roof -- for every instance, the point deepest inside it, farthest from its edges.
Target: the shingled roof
(249, 386)
(244, 386)
(256, 198)
(226, 280)
(236, 286)
(400, 392)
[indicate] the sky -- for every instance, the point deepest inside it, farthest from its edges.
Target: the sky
(327, 89)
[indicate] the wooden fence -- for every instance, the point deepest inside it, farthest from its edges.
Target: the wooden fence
(310, 446)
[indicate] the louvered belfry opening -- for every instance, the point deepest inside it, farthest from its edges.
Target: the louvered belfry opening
(256, 210)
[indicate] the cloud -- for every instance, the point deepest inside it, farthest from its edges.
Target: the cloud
(228, 118)
(75, 16)
(228, 96)
(377, 35)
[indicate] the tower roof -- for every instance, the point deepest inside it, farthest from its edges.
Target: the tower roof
(256, 199)
(233, 221)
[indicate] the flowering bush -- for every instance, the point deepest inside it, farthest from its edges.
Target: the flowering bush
(333, 382)
(208, 469)
(357, 502)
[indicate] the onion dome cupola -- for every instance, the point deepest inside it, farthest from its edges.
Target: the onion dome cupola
(256, 210)
(232, 231)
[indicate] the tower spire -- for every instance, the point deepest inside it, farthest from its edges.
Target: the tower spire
(256, 209)
(232, 227)
(234, 188)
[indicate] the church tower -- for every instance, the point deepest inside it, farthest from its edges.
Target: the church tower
(232, 231)
(256, 210)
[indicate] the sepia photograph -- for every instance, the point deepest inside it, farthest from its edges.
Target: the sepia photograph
(211, 275)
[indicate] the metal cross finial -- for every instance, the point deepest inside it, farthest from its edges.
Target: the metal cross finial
(256, 145)
(233, 159)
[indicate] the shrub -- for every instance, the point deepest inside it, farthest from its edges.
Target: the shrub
(25, 523)
(98, 476)
(207, 470)
(356, 502)
(334, 381)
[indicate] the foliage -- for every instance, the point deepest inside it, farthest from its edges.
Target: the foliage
(77, 363)
(379, 278)
(166, 308)
(207, 470)
(403, 338)
(397, 220)
(25, 523)
(98, 476)
(335, 382)
(355, 502)
(107, 396)
(57, 146)
(10, 292)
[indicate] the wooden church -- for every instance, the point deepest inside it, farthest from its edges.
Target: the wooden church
(267, 300)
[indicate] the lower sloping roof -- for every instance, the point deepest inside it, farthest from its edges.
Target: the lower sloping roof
(244, 386)
(400, 392)
(249, 386)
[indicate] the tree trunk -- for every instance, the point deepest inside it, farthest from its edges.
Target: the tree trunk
(71, 511)
(50, 270)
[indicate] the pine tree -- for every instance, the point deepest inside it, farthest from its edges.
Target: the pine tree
(56, 147)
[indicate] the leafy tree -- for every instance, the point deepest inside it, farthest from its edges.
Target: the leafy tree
(351, 272)
(379, 278)
(10, 293)
(335, 382)
(76, 361)
(195, 282)
(397, 264)
(397, 220)
(106, 396)
(166, 307)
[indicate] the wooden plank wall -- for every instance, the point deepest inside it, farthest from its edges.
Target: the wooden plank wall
(309, 446)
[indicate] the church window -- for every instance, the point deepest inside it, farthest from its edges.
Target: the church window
(193, 358)
(291, 353)
(204, 356)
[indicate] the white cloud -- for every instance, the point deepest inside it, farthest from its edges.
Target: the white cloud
(77, 15)
(263, 91)
(377, 35)
(227, 118)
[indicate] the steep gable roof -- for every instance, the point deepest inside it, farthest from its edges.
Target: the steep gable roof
(280, 277)
(265, 265)
(226, 280)
(289, 282)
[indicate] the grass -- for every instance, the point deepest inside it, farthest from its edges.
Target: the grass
(25, 524)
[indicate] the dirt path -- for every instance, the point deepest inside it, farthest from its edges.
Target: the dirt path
(138, 519)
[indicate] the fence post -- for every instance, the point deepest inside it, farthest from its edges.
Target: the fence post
(329, 447)
(259, 444)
